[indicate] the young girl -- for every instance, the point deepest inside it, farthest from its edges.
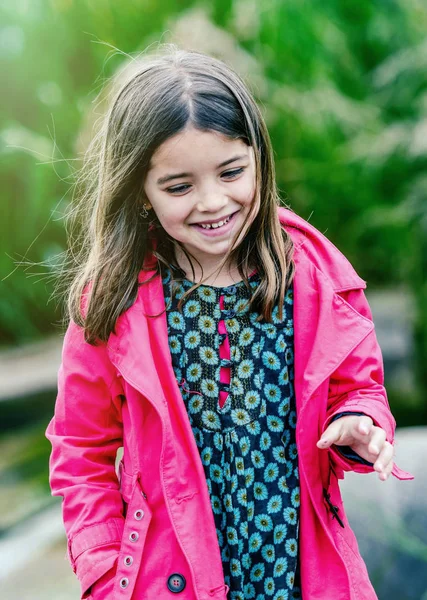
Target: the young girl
(227, 345)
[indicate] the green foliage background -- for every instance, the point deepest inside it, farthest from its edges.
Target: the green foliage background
(342, 85)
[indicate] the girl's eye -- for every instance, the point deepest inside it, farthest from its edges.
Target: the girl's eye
(177, 190)
(180, 189)
(233, 173)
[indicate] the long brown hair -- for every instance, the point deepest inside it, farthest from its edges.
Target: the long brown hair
(154, 98)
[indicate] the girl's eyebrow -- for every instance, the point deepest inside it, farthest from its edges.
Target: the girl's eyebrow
(167, 178)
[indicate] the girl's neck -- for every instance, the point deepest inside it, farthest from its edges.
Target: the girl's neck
(227, 276)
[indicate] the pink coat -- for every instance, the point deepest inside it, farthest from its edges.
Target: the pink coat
(154, 519)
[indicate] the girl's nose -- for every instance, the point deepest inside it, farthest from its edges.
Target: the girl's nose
(211, 202)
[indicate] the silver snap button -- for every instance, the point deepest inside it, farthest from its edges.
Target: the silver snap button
(134, 536)
(128, 560)
(124, 582)
(139, 514)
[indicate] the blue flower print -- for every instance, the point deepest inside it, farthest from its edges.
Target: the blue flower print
(284, 408)
(191, 309)
(275, 315)
(269, 586)
(281, 595)
(280, 566)
(242, 497)
(253, 427)
(241, 307)
(252, 399)
(240, 416)
(245, 369)
(246, 336)
(265, 441)
(274, 504)
(236, 514)
(295, 497)
(232, 537)
(290, 515)
(198, 436)
(289, 467)
(206, 455)
(270, 360)
(284, 376)
(259, 378)
(272, 392)
(228, 503)
(246, 560)
(211, 419)
(216, 473)
(271, 472)
(208, 355)
(237, 386)
(194, 372)
(280, 533)
(270, 331)
(293, 419)
(244, 530)
(291, 547)
(289, 298)
(250, 511)
(192, 339)
(206, 324)
(166, 277)
(245, 445)
(289, 356)
(283, 485)
(218, 441)
(249, 476)
(260, 491)
(268, 553)
(256, 349)
(293, 451)
(249, 591)
(257, 572)
(289, 329)
(279, 454)
(195, 404)
(275, 424)
(235, 567)
(176, 320)
(174, 344)
(255, 542)
(290, 579)
(233, 480)
(240, 465)
(235, 354)
(216, 505)
(264, 522)
(206, 293)
(258, 459)
(280, 344)
(210, 388)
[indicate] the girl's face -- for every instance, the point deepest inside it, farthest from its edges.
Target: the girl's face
(201, 186)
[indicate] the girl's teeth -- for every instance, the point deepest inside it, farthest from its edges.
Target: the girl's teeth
(216, 225)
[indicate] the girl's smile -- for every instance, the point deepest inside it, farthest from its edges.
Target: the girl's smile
(212, 195)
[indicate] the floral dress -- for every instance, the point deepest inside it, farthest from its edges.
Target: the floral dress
(236, 379)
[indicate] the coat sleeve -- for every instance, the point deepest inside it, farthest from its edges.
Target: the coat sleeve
(358, 386)
(85, 433)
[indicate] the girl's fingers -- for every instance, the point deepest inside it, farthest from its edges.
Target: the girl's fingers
(376, 441)
(384, 463)
(365, 425)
